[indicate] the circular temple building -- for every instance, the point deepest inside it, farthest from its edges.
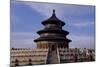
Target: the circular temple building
(52, 36)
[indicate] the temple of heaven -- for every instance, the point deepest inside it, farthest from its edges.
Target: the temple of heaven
(52, 36)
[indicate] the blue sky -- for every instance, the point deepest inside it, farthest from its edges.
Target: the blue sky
(26, 18)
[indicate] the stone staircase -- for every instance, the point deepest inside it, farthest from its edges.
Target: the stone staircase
(52, 57)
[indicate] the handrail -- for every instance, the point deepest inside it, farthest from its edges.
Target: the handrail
(58, 55)
(47, 56)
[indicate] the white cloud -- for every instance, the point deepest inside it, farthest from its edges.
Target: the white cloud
(81, 24)
(82, 41)
(64, 12)
(23, 39)
(45, 9)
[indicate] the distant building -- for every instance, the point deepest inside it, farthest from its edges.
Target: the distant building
(52, 47)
